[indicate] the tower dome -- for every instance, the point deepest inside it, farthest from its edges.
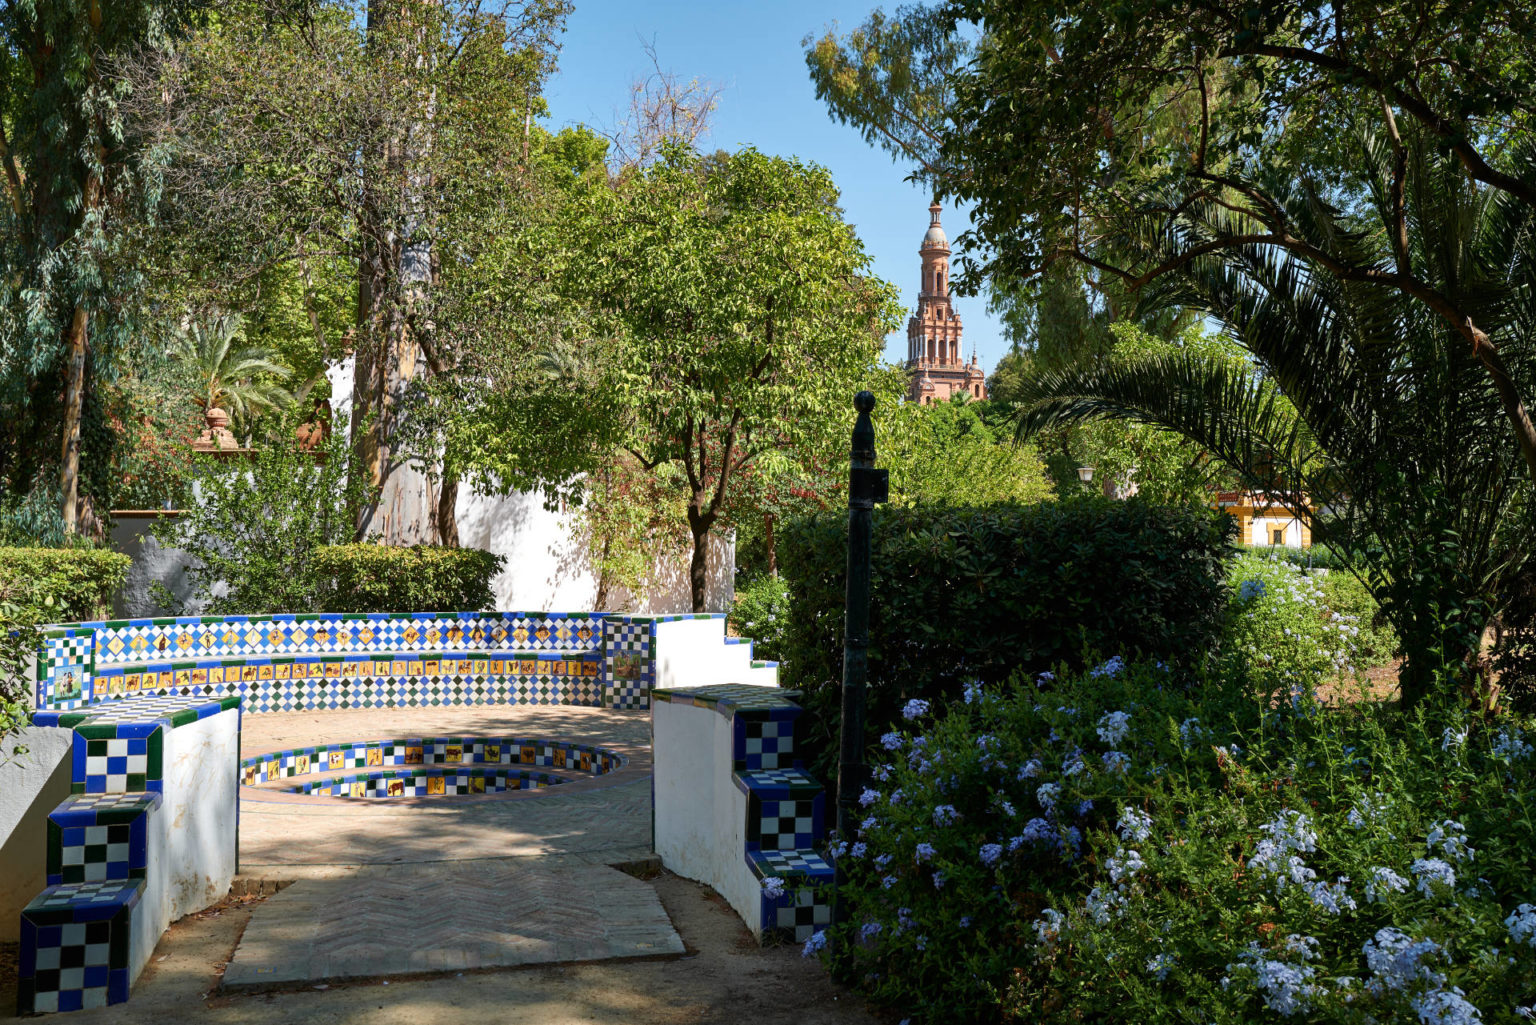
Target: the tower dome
(935, 237)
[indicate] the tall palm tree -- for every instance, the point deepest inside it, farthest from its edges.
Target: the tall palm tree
(1357, 395)
(230, 375)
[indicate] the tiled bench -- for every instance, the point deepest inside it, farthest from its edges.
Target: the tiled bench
(734, 808)
(147, 835)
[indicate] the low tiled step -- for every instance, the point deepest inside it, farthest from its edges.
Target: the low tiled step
(78, 948)
(94, 838)
(785, 809)
(803, 907)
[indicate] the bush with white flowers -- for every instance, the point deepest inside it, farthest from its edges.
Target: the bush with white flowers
(1234, 861)
(1281, 627)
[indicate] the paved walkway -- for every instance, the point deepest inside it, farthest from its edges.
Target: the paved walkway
(454, 917)
(387, 887)
(602, 821)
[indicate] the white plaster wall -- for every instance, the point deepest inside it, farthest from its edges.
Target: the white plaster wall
(547, 568)
(195, 826)
(1265, 526)
(693, 653)
(31, 786)
(700, 818)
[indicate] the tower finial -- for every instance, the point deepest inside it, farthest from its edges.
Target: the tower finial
(933, 213)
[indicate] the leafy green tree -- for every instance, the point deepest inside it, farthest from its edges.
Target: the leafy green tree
(1057, 147)
(946, 453)
(741, 312)
(1367, 402)
(67, 281)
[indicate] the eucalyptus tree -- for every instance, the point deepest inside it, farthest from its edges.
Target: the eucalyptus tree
(1362, 399)
(67, 281)
(384, 135)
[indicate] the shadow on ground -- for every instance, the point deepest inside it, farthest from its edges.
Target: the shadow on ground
(725, 977)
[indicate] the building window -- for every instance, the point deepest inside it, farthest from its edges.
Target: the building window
(1279, 535)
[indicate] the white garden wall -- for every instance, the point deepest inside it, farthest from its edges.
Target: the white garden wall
(31, 786)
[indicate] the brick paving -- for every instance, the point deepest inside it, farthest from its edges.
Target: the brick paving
(389, 887)
(453, 917)
(603, 820)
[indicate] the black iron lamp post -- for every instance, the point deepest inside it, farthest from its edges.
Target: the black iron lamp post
(866, 487)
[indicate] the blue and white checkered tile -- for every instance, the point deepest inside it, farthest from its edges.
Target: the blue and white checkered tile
(75, 947)
(94, 838)
(775, 825)
(765, 739)
(797, 915)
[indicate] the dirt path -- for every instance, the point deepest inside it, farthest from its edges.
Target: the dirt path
(725, 977)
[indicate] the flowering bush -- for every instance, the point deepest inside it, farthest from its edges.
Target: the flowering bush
(1282, 629)
(760, 611)
(1132, 846)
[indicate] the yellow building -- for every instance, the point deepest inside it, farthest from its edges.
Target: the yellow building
(1266, 519)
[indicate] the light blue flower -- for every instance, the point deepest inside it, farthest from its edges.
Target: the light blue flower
(1047, 794)
(1382, 881)
(773, 887)
(914, 708)
(945, 815)
(891, 741)
(1431, 871)
(868, 797)
(1134, 825)
(1251, 589)
(1111, 668)
(939, 879)
(972, 692)
(990, 853)
(1159, 965)
(1113, 726)
(858, 850)
(871, 930)
(1116, 761)
(924, 851)
(1522, 925)
(815, 945)
(888, 882)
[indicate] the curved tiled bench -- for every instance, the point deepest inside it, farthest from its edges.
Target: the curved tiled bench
(284, 663)
(734, 808)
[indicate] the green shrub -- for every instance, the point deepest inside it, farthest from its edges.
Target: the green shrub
(40, 586)
(61, 585)
(253, 531)
(1136, 845)
(1281, 630)
(1316, 557)
(961, 594)
(761, 612)
(423, 578)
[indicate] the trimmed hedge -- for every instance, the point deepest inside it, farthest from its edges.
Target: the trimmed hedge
(422, 578)
(60, 585)
(963, 594)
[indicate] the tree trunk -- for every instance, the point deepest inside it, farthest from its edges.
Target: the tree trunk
(699, 523)
(74, 396)
(773, 555)
(447, 522)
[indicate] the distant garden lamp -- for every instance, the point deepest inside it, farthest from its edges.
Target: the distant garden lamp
(1085, 474)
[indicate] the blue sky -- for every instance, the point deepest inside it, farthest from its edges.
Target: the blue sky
(751, 50)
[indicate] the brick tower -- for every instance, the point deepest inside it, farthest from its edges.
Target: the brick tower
(935, 368)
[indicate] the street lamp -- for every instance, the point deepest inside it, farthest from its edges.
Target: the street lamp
(1085, 474)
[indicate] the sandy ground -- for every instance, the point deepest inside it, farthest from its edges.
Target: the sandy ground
(725, 977)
